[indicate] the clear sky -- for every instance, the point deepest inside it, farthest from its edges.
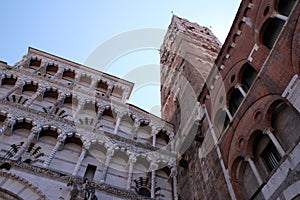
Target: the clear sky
(73, 29)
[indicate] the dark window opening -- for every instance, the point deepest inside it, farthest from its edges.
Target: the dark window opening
(271, 31)
(236, 99)
(35, 63)
(68, 75)
(30, 87)
(9, 81)
(285, 6)
(271, 156)
(248, 77)
(51, 69)
(90, 172)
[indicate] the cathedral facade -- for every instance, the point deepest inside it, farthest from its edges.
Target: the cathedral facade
(229, 128)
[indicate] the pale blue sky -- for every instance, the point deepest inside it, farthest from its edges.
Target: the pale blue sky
(74, 29)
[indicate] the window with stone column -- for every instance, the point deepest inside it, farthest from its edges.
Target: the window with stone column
(7, 83)
(285, 123)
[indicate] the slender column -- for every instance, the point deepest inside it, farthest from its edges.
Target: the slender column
(241, 90)
(228, 114)
(282, 17)
(154, 133)
(135, 128)
(94, 83)
(109, 90)
(18, 85)
(80, 106)
(132, 161)
(254, 169)
(275, 142)
(84, 150)
(59, 101)
(99, 116)
(153, 167)
(119, 117)
(172, 142)
(124, 97)
(174, 174)
(58, 74)
(8, 124)
(38, 93)
(60, 140)
(109, 154)
(34, 132)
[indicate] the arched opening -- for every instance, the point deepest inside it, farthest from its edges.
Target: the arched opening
(102, 87)
(235, 100)
(164, 183)
(265, 154)
(270, 31)
(51, 69)
(67, 157)
(107, 121)
(68, 76)
(35, 63)
(85, 80)
(90, 108)
(249, 74)
(243, 174)
(162, 138)
(117, 92)
(141, 178)
(221, 120)
(117, 174)
(126, 126)
(30, 88)
(285, 6)
(95, 157)
(7, 84)
(144, 133)
(285, 123)
(11, 143)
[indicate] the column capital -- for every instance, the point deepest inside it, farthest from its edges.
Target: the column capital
(132, 158)
(62, 137)
(36, 130)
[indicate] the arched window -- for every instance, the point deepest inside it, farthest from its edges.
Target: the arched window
(51, 69)
(270, 31)
(235, 100)
(285, 6)
(68, 75)
(35, 63)
(221, 120)
(248, 76)
(285, 122)
(85, 80)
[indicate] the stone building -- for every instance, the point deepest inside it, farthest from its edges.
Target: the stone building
(67, 133)
(229, 129)
(244, 133)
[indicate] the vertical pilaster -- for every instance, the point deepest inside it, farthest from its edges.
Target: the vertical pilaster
(109, 154)
(38, 93)
(84, 150)
(254, 170)
(34, 132)
(132, 161)
(60, 140)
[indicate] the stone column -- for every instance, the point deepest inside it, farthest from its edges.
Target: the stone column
(135, 128)
(93, 83)
(124, 96)
(8, 125)
(60, 140)
(153, 167)
(275, 142)
(80, 106)
(241, 90)
(174, 174)
(40, 91)
(109, 90)
(119, 117)
(154, 133)
(109, 154)
(254, 170)
(58, 74)
(228, 114)
(84, 150)
(132, 161)
(34, 132)
(19, 84)
(59, 102)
